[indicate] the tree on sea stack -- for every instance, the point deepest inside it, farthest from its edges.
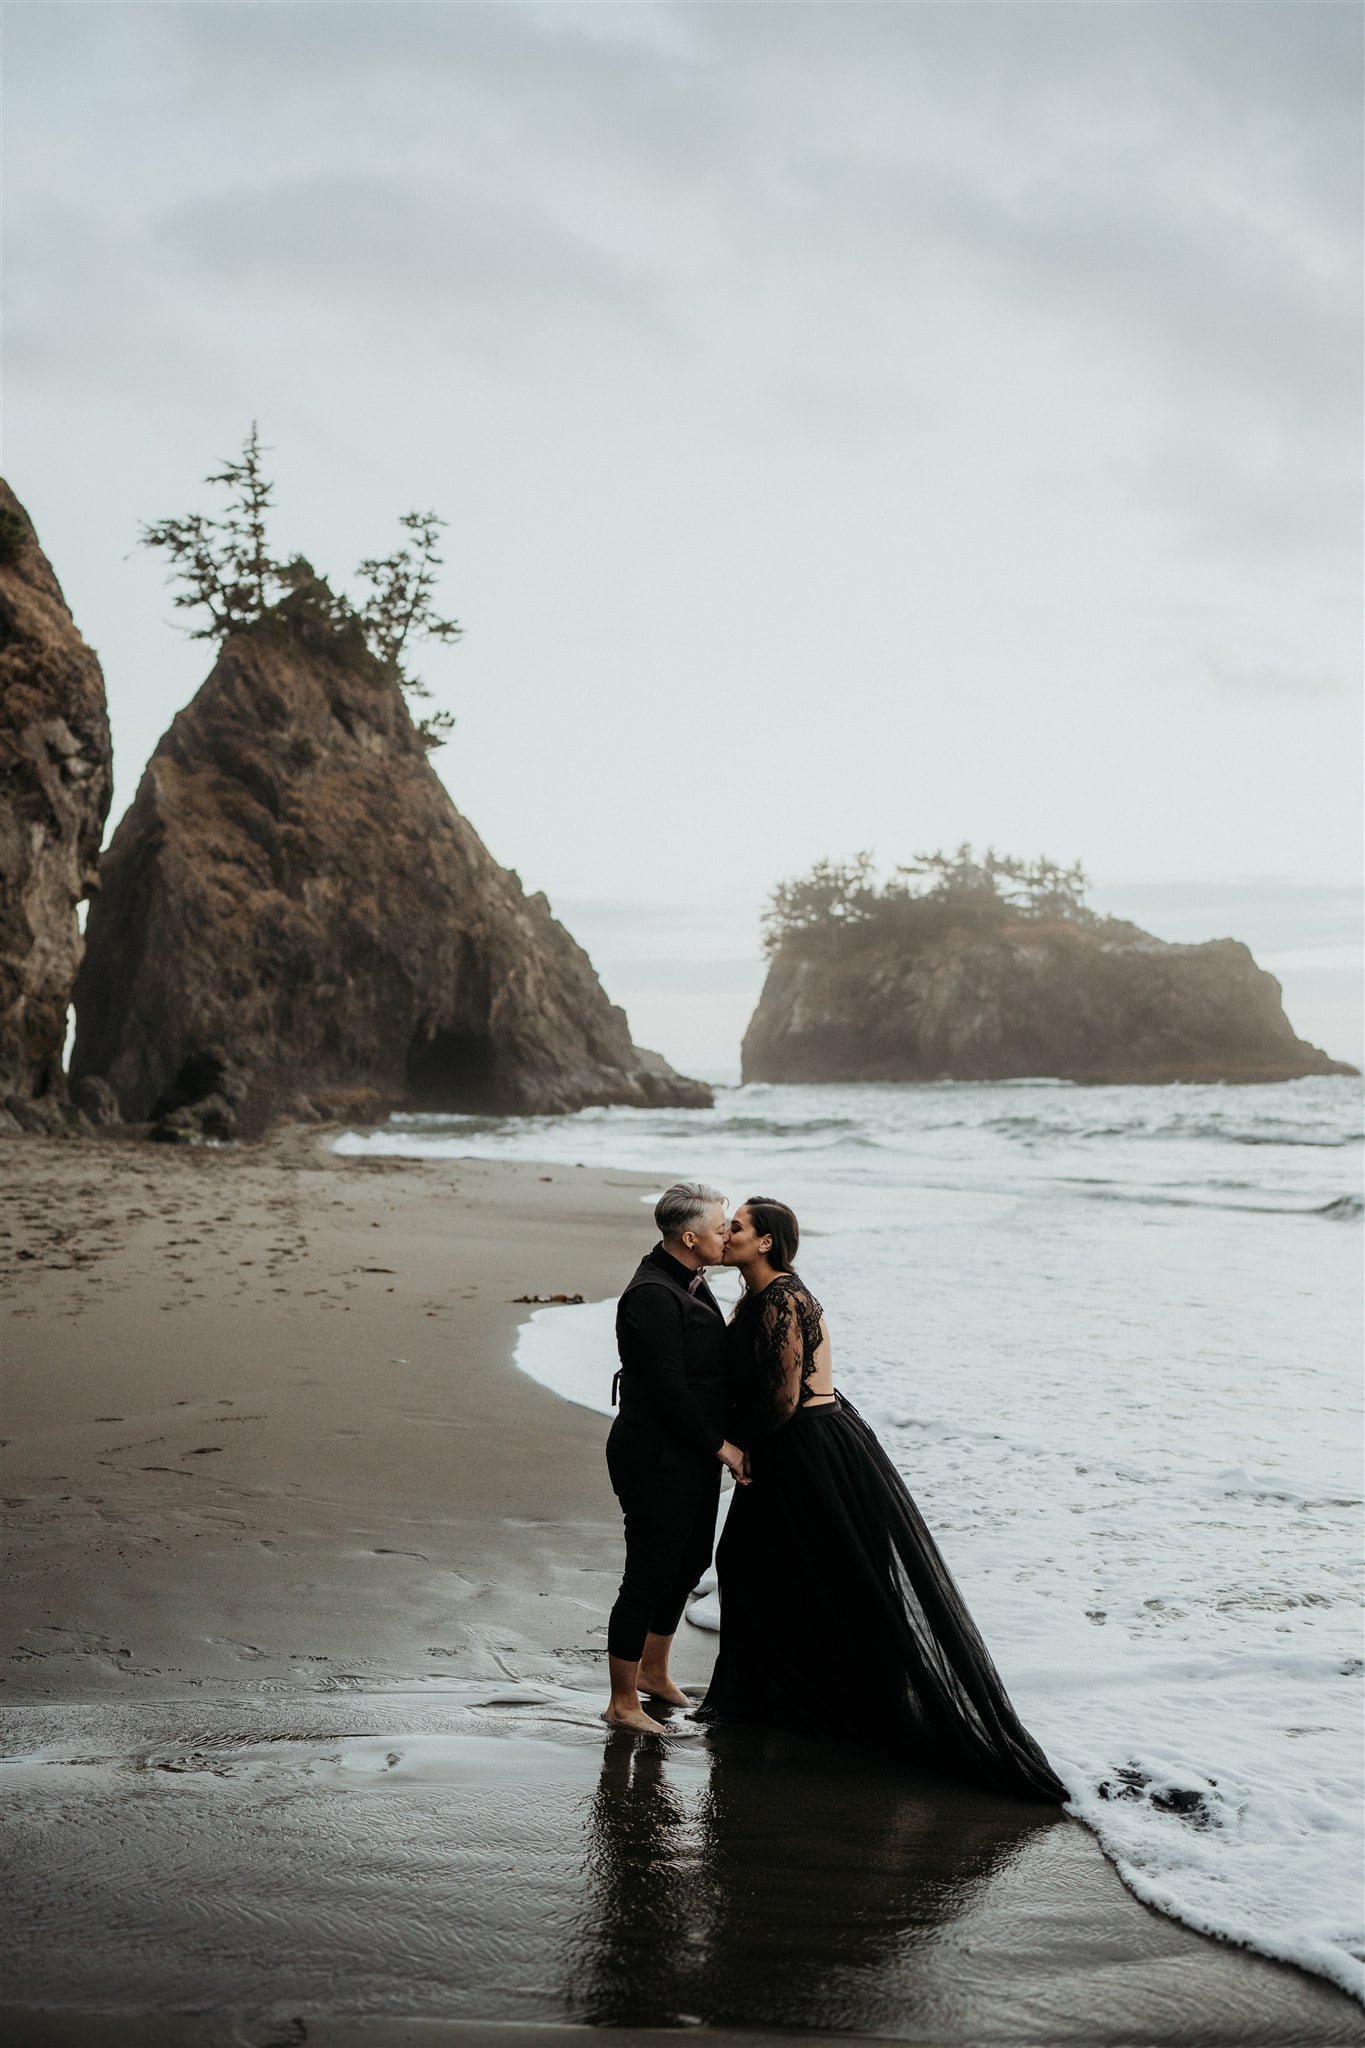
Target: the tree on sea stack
(225, 569)
(222, 564)
(293, 919)
(399, 609)
(840, 902)
(992, 968)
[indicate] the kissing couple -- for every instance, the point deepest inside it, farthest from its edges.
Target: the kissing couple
(838, 1615)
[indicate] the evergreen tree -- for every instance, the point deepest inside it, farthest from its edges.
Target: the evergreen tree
(928, 895)
(224, 568)
(223, 564)
(399, 609)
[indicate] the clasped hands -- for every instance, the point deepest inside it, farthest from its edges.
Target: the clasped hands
(736, 1462)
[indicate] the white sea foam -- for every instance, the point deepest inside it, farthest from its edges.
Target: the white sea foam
(1110, 1336)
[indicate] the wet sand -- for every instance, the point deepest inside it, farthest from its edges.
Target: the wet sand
(303, 1655)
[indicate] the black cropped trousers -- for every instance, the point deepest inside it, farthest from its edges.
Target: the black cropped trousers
(669, 1498)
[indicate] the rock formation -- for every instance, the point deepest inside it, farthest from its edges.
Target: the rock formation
(1097, 1003)
(56, 775)
(293, 914)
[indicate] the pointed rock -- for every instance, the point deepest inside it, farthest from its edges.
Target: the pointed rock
(294, 916)
(56, 775)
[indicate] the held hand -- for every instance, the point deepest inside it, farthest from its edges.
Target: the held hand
(734, 1461)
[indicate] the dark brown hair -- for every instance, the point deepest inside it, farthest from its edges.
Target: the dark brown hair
(775, 1220)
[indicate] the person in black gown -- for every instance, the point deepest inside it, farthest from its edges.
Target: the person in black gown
(838, 1615)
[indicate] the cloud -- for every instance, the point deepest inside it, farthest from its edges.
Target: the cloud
(1174, 187)
(1250, 677)
(939, 382)
(388, 242)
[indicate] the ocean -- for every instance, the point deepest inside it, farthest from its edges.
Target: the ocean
(1112, 1339)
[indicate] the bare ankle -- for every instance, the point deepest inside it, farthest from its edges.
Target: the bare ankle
(634, 1717)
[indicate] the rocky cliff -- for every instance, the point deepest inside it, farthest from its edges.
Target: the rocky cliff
(1082, 1003)
(55, 782)
(293, 908)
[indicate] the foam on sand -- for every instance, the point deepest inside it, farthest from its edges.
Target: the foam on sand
(1110, 1337)
(484, 1854)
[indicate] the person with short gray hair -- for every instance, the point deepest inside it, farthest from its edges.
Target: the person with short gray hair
(683, 1207)
(667, 1445)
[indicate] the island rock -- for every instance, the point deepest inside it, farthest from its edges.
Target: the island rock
(1097, 1002)
(294, 919)
(56, 776)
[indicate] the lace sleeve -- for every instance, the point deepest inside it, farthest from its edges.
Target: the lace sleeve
(786, 1341)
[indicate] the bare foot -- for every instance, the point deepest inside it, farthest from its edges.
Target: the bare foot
(634, 1718)
(664, 1690)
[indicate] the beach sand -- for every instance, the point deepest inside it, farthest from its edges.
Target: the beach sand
(304, 1653)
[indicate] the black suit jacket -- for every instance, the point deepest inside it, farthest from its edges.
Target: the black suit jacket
(671, 1344)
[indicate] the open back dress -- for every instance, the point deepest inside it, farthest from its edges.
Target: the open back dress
(838, 1615)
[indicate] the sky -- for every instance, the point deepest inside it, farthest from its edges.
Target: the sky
(859, 426)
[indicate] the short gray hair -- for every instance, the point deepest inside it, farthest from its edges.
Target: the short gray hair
(683, 1206)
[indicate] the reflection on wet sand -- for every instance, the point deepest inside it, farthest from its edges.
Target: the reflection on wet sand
(479, 1856)
(793, 1884)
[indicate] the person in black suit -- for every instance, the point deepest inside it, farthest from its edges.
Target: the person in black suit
(667, 1445)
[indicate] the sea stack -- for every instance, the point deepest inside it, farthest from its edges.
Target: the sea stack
(1097, 1002)
(56, 776)
(293, 916)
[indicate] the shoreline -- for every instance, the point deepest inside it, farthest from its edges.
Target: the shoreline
(268, 1314)
(283, 1506)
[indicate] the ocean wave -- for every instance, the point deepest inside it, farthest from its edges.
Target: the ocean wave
(821, 1133)
(1212, 1130)
(1312, 1144)
(1341, 1208)
(1126, 1417)
(1295, 1121)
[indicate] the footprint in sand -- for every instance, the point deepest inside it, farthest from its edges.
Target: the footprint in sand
(196, 1763)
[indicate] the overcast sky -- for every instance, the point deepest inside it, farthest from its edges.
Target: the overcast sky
(859, 426)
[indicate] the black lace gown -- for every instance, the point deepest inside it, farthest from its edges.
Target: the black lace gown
(838, 1614)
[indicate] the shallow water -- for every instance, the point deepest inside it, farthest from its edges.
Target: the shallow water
(1111, 1338)
(490, 1855)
